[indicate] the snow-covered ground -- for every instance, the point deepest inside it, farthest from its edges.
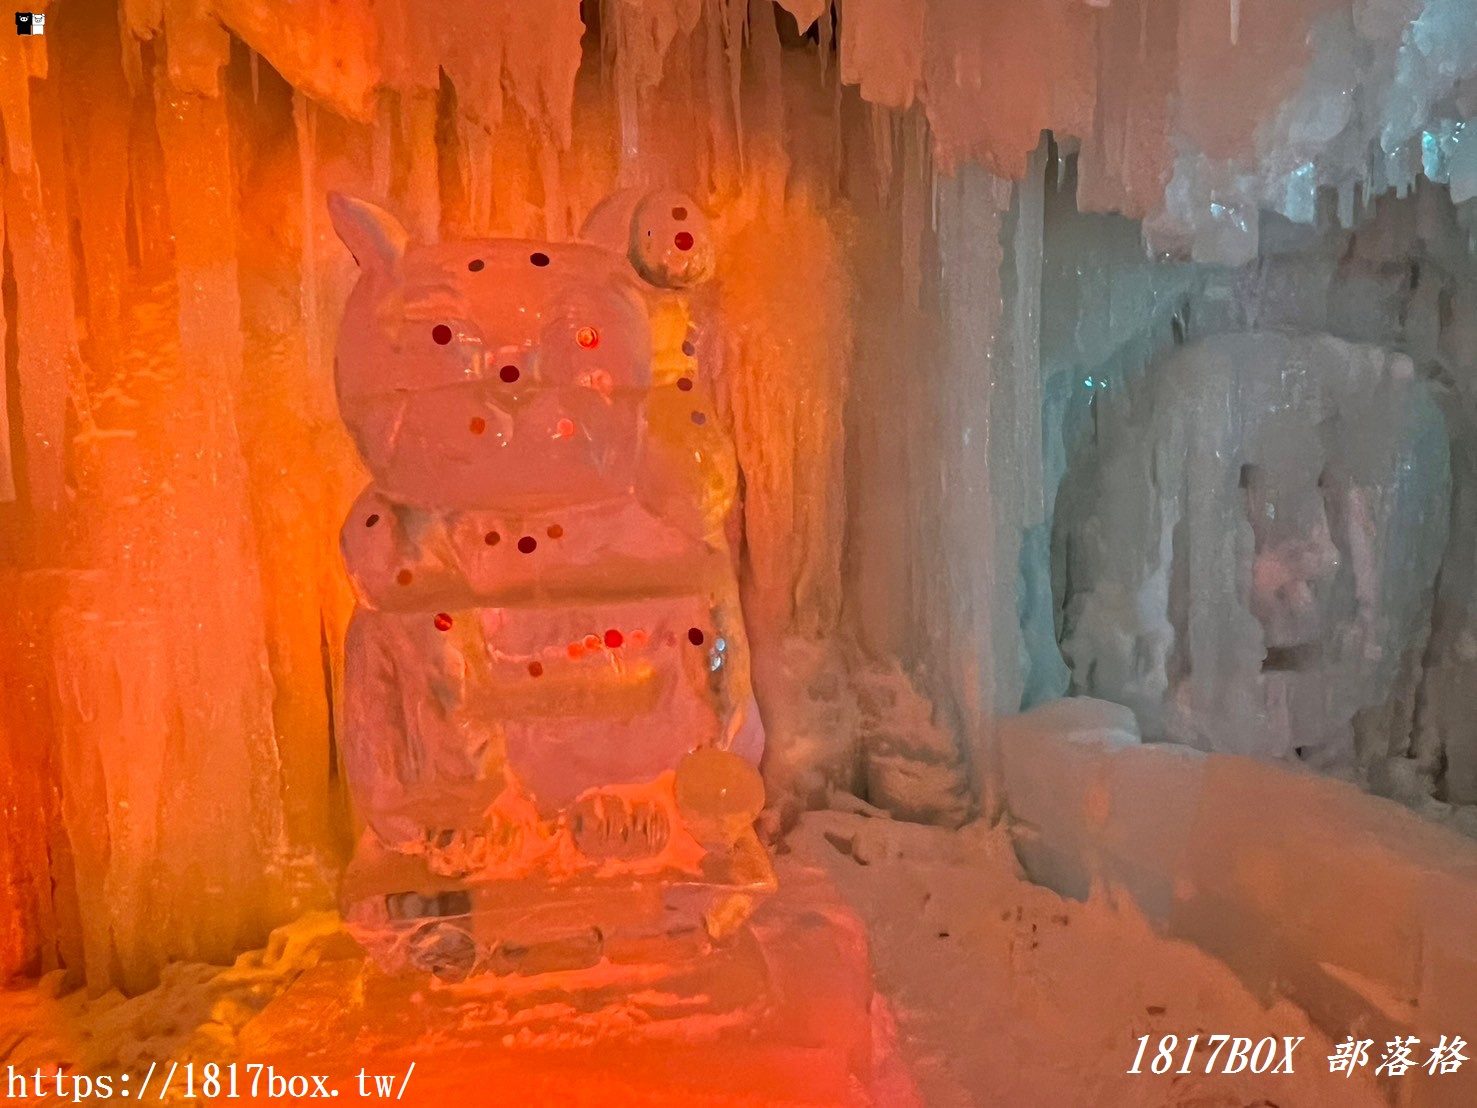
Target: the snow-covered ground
(1006, 994)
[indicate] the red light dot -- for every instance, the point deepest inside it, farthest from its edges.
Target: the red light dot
(695, 636)
(679, 214)
(614, 638)
(555, 531)
(508, 373)
(587, 337)
(478, 425)
(371, 521)
(441, 334)
(683, 239)
(592, 642)
(564, 429)
(535, 669)
(403, 577)
(527, 544)
(492, 538)
(443, 621)
(576, 650)
(685, 384)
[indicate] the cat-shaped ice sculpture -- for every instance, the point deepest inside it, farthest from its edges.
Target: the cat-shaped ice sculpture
(550, 736)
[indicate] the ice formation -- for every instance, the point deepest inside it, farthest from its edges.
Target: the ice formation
(924, 313)
(1249, 549)
(549, 732)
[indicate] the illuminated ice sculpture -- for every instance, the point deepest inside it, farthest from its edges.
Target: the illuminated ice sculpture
(550, 736)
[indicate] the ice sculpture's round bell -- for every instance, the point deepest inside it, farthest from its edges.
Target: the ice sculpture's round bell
(719, 795)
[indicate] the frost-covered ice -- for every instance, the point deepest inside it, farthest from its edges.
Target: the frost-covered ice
(1250, 547)
(1004, 993)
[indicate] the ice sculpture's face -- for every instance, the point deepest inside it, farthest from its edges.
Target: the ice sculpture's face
(496, 372)
(1248, 547)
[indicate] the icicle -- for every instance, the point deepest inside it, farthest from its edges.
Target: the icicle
(556, 213)
(382, 154)
(880, 119)
(7, 472)
(823, 31)
(721, 121)
(628, 106)
(733, 44)
(305, 123)
(1235, 21)
(477, 146)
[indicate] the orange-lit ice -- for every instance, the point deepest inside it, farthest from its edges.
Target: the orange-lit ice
(549, 734)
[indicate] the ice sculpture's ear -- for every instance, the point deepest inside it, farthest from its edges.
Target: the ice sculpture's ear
(374, 236)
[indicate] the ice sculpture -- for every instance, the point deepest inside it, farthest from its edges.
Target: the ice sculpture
(550, 736)
(1246, 555)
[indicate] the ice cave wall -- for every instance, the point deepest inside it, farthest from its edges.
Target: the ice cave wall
(906, 290)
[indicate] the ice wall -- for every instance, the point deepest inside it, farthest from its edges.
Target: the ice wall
(1250, 547)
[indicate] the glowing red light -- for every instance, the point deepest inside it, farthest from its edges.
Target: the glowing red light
(478, 425)
(683, 240)
(614, 638)
(564, 429)
(587, 337)
(535, 669)
(443, 621)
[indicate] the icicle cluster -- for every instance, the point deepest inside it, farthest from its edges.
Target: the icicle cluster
(892, 326)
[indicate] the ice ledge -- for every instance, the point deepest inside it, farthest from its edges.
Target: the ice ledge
(1301, 884)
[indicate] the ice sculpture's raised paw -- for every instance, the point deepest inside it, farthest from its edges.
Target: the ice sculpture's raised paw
(664, 233)
(671, 242)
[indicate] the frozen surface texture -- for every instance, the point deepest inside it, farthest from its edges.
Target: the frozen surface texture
(1098, 816)
(904, 346)
(1248, 552)
(549, 730)
(1063, 989)
(309, 1002)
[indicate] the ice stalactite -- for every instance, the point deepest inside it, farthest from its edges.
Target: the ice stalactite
(965, 592)
(305, 126)
(44, 325)
(178, 476)
(882, 50)
(7, 458)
